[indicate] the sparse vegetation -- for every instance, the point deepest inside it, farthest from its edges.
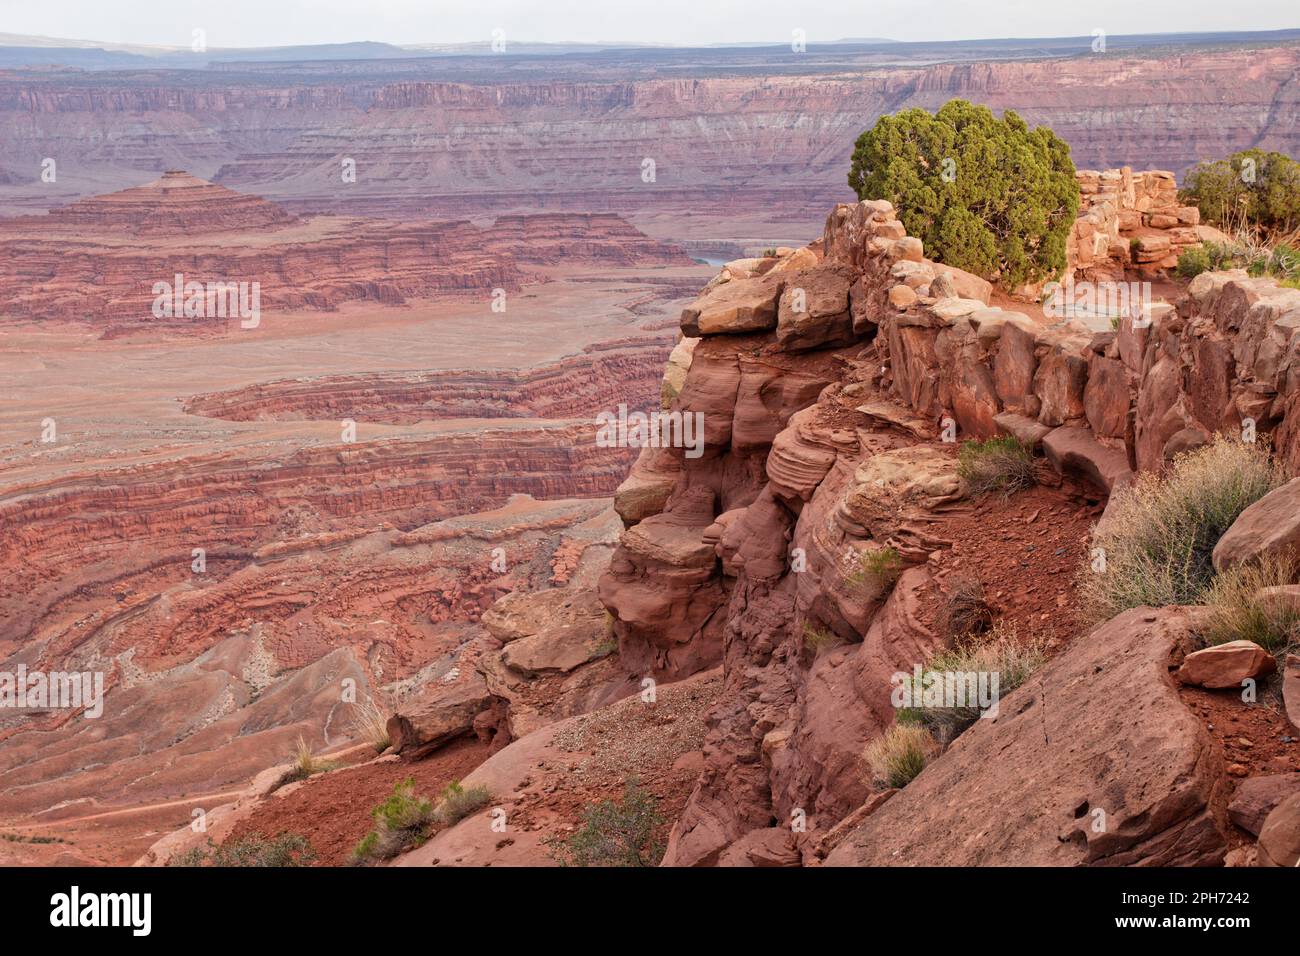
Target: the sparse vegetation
(305, 763)
(1280, 261)
(24, 838)
(1160, 533)
(899, 754)
(401, 821)
(880, 566)
(618, 833)
(1002, 652)
(458, 802)
(1003, 464)
(287, 849)
(964, 610)
(987, 195)
(370, 722)
(1251, 189)
(1238, 613)
(818, 639)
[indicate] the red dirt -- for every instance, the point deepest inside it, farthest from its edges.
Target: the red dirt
(333, 810)
(1026, 551)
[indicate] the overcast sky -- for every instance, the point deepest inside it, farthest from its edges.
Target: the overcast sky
(278, 22)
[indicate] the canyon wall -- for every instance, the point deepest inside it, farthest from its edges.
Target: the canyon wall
(835, 384)
(765, 144)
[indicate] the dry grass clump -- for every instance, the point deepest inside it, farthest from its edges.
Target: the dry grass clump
(370, 722)
(897, 756)
(1004, 464)
(818, 639)
(305, 763)
(459, 802)
(1002, 652)
(1240, 613)
(1160, 533)
(964, 610)
(878, 566)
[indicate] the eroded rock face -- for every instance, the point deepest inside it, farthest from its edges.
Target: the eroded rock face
(815, 468)
(1025, 788)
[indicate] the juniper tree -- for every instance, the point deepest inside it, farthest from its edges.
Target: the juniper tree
(984, 194)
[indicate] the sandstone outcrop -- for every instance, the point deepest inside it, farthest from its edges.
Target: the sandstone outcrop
(775, 542)
(1039, 786)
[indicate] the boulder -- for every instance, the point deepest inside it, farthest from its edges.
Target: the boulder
(1075, 451)
(814, 309)
(772, 847)
(1027, 431)
(1226, 665)
(1291, 690)
(741, 305)
(1271, 526)
(1257, 796)
(438, 715)
(1279, 837)
(1095, 761)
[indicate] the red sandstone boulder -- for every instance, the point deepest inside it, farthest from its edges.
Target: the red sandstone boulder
(814, 309)
(1279, 838)
(1271, 526)
(1257, 796)
(741, 305)
(439, 714)
(1040, 785)
(1226, 665)
(1074, 451)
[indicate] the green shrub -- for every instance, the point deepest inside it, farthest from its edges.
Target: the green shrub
(899, 754)
(983, 194)
(1239, 613)
(1192, 261)
(457, 802)
(1003, 464)
(1160, 533)
(1249, 189)
(880, 567)
(618, 833)
(287, 849)
(401, 821)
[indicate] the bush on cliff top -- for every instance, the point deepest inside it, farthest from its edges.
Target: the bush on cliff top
(983, 194)
(1159, 535)
(401, 821)
(1252, 189)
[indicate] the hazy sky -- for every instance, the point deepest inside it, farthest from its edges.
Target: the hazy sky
(275, 22)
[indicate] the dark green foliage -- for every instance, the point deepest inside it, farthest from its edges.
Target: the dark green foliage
(1252, 188)
(983, 194)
